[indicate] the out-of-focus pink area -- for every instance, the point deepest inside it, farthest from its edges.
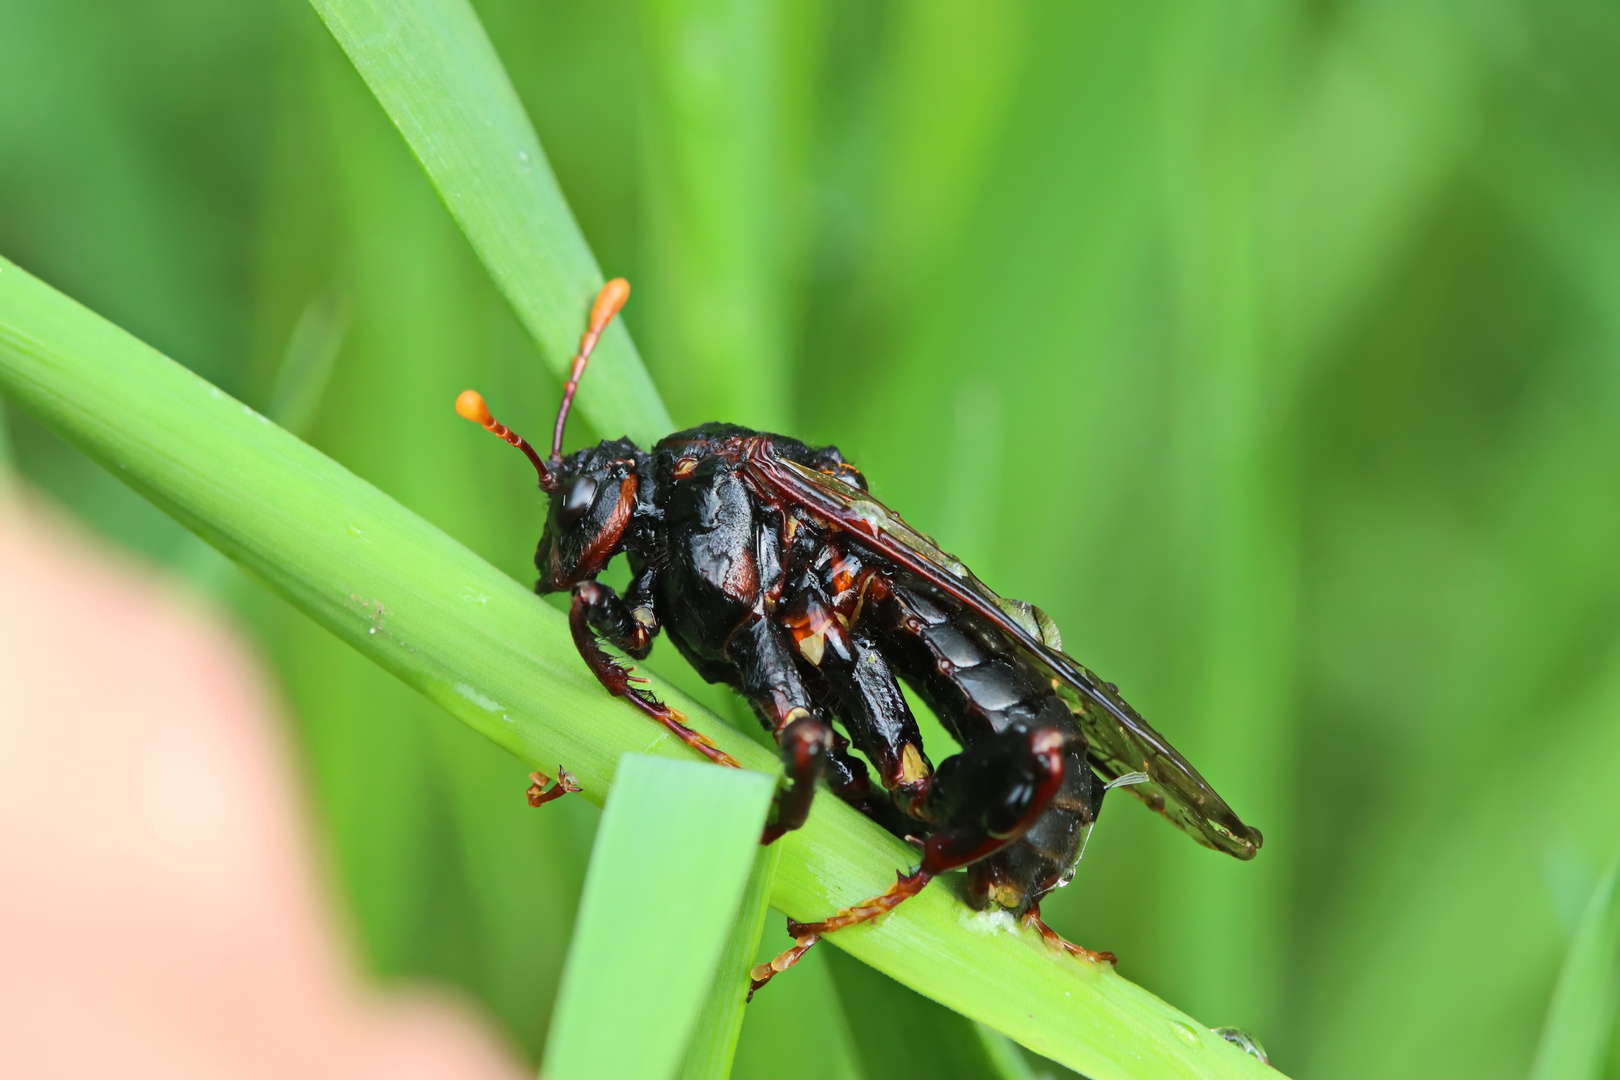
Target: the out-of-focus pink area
(159, 915)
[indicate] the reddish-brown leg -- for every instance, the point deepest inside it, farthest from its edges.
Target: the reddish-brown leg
(1055, 941)
(539, 794)
(617, 679)
(1040, 751)
(904, 888)
(805, 742)
(807, 934)
(764, 973)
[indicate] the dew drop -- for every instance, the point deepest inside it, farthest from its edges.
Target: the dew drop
(1186, 1031)
(1243, 1041)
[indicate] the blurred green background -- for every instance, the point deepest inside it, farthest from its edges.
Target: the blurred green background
(1273, 348)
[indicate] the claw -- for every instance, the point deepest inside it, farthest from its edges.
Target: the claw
(764, 973)
(539, 794)
(675, 721)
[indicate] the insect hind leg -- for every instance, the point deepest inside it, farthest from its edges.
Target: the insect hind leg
(1019, 876)
(806, 935)
(988, 797)
(1057, 942)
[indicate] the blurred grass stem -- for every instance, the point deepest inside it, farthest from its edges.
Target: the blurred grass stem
(433, 69)
(1580, 1019)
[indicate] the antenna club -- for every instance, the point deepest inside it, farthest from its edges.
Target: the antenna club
(470, 406)
(608, 302)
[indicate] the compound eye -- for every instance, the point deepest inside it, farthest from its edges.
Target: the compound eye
(577, 498)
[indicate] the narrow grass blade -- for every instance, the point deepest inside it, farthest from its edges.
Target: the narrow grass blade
(713, 1045)
(306, 365)
(797, 1031)
(898, 1032)
(718, 219)
(1006, 1062)
(477, 644)
(672, 856)
(433, 69)
(1580, 1020)
(5, 445)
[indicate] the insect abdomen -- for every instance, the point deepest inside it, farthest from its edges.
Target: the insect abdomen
(970, 676)
(980, 686)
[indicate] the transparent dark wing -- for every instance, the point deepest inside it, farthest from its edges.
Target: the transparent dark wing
(1121, 742)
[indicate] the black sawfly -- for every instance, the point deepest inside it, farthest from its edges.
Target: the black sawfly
(775, 571)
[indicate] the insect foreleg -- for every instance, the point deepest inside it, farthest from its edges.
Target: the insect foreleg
(539, 794)
(628, 629)
(591, 596)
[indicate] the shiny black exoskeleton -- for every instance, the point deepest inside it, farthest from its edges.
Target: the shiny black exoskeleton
(774, 571)
(811, 626)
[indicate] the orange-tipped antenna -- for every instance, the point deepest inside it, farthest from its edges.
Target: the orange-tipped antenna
(608, 303)
(470, 406)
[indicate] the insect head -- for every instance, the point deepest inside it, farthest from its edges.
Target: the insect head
(593, 491)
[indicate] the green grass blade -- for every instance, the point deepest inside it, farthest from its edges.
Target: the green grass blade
(476, 643)
(1006, 1063)
(684, 835)
(433, 69)
(898, 1032)
(301, 380)
(798, 1030)
(1580, 1020)
(5, 445)
(718, 219)
(714, 1037)
(306, 365)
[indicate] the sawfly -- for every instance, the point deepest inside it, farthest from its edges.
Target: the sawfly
(775, 571)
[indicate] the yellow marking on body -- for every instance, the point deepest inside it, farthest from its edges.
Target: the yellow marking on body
(912, 766)
(1006, 894)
